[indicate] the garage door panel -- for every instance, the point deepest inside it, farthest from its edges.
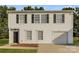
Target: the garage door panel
(60, 38)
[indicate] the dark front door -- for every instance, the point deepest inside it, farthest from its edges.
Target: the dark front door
(16, 37)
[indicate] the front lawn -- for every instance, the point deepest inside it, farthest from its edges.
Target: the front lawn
(3, 42)
(76, 41)
(8, 50)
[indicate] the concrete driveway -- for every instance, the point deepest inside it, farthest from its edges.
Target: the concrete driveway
(50, 48)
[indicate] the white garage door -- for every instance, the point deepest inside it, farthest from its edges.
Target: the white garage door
(60, 38)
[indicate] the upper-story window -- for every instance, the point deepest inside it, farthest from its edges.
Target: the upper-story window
(21, 18)
(35, 18)
(45, 18)
(59, 18)
(38, 18)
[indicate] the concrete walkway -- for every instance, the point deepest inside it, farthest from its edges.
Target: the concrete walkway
(49, 48)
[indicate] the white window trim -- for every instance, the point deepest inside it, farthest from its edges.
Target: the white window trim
(40, 20)
(26, 34)
(42, 35)
(58, 23)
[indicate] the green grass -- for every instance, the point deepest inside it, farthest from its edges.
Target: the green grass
(76, 41)
(3, 42)
(8, 50)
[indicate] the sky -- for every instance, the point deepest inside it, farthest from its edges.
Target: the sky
(46, 7)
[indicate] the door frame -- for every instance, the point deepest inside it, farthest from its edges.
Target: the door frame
(16, 36)
(15, 30)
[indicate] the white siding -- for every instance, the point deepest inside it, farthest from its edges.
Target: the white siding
(47, 28)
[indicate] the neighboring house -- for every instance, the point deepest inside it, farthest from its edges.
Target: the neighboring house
(40, 27)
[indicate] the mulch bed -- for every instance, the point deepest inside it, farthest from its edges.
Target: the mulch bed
(26, 45)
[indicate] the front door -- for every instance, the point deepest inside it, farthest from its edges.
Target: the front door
(16, 37)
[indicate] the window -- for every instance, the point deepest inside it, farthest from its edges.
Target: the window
(37, 18)
(45, 18)
(58, 18)
(21, 18)
(40, 35)
(29, 35)
(17, 18)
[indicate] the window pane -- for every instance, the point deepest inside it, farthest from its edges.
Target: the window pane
(29, 35)
(58, 18)
(22, 18)
(44, 18)
(40, 35)
(36, 18)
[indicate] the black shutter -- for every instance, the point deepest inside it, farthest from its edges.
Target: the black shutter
(63, 18)
(47, 18)
(25, 18)
(32, 18)
(54, 18)
(17, 18)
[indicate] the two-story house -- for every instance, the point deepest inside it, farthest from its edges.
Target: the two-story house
(40, 27)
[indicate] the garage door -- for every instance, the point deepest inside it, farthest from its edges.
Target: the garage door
(60, 38)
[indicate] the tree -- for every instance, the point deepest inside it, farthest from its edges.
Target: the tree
(11, 8)
(41, 8)
(31, 8)
(36, 8)
(3, 10)
(4, 21)
(68, 8)
(28, 8)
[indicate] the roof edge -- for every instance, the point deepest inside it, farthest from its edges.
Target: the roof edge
(41, 11)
